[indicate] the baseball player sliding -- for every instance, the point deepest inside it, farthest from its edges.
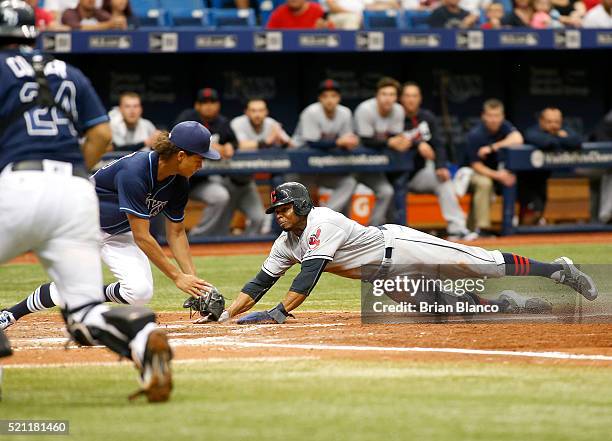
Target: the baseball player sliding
(321, 239)
(132, 190)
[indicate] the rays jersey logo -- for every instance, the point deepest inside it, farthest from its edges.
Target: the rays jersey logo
(155, 207)
(314, 240)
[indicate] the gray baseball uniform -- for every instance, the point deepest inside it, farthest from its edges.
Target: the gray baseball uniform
(314, 125)
(370, 124)
(349, 246)
(244, 130)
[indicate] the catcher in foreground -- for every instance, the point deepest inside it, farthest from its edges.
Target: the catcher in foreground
(321, 239)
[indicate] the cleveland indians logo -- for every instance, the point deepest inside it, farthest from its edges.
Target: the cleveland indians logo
(314, 240)
(273, 196)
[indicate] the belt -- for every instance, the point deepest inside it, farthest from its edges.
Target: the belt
(39, 165)
(388, 250)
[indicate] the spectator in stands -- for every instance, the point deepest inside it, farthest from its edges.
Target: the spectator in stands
(379, 122)
(121, 8)
(420, 5)
(549, 135)
(590, 4)
(600, 16)
(347, 14)
(431, 174)
(544, 16)
(254, 130)
(603, 204)
(450, 15)
(327, 125)
(214, 191)
(495, 16)
(571, 11)
(474, 6)
(57, 7)
(298, 14)
(131, 132)
(87, 17)
(521, 14)
(45, 20)
(483, 142)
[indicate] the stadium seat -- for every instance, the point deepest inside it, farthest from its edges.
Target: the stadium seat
(186, 12)
(141, 7)
(221, 4)
(232, 18)
(149, 13)
(265, 10)
(417, 19)
(390, 19)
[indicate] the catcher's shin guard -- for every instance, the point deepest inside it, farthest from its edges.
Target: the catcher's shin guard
(115, 328)
(5, 346)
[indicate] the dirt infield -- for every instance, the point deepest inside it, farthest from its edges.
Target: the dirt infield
(233, 249)
(38, 340)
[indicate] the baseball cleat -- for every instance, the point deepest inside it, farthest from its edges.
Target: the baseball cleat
(518, 304)
(156, 374)
(574, 278)
(6, 320)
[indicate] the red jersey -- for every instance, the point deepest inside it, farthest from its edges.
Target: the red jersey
(283, 18)
(43, 18)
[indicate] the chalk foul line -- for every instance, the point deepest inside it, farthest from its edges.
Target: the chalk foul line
(323, 347)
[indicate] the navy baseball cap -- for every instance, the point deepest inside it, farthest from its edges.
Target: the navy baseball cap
(193, 137)
(328, 84)
(207, 94)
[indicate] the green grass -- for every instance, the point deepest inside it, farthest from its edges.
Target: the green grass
(323, 400)
(230, 273)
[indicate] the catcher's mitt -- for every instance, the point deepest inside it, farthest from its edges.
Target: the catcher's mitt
(210, 305)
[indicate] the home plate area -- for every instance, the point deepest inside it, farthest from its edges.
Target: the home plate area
(40, 340)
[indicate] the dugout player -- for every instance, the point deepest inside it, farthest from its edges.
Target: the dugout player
(320, 239)
(327, 125)
(47, 204)
(132, 190)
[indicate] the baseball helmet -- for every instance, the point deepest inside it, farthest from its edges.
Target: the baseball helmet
(17, 21)
(291, 192)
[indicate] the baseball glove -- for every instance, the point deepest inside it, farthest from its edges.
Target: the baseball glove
(209, 305)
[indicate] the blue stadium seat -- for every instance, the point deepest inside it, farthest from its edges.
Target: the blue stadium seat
(265, 9)
(220, 4)
(141, 7)
(232, 18)
(149, 13)
(417, 19)
(186, 12)
(390, 19)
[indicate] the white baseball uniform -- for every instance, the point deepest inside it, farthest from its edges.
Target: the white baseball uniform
(349, 246)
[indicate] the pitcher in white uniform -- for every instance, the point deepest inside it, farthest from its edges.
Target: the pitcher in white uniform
(320, 239)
